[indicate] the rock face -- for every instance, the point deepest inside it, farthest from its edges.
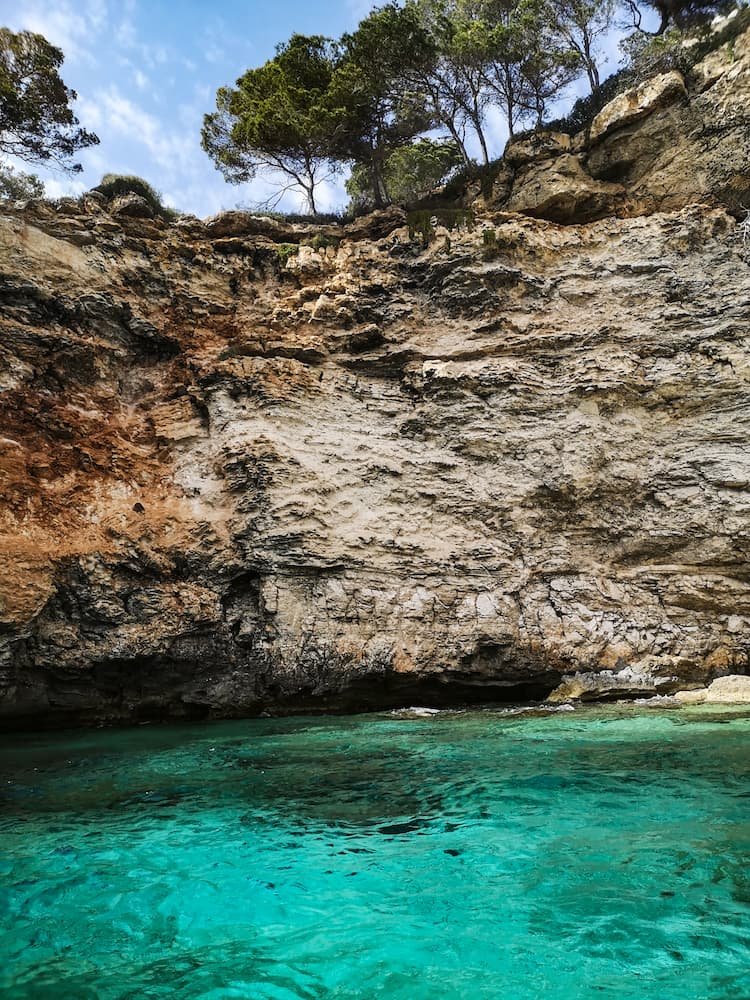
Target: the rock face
(660, 146)
(237, 477)
(561, 190)
(640, 102)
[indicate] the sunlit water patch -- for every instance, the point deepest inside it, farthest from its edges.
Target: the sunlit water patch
(589, 854)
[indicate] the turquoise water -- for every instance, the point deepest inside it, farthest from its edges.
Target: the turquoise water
(589, 854)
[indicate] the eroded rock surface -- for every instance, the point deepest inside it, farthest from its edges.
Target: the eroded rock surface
(659, 147)
(234, 480)
(237, 476)
(733, 689)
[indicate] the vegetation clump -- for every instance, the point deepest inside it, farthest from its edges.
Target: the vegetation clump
(15, 185)
(424, 221)
(116, 185)
(409, 173)
(321, 242)
(285, 251)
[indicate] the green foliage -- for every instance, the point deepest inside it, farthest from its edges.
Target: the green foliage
(18, 186)
(490, 244)
(37, 123)
(484, 174)
(424, 221)
(320, 218)
(114, 185)
(321, 242)
(410, 173)
(452, 80)
(649, 55)
(284, 251)
(580, 24)
(587, 108)
(413, 66)
(280, 116)
(646, 56)
(684, 14)
(381, 110)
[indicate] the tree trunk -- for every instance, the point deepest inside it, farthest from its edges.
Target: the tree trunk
(376, 180)
(477, 120)
(309, 187)
(458, 141)
(310, 196)
(482, 143)
(592, 70)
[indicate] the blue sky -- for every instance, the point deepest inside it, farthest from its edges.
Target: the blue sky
(146, 71)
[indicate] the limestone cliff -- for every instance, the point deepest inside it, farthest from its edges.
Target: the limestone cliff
(248, 466)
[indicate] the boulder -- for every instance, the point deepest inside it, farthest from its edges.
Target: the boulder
(561, 190)
(607, 686)
(376, 225)
(536, 147)
(627, 155)
(638, 102)
(131, 206)
(68, 206)
(235, 222)
(693, 697)
(734, 688)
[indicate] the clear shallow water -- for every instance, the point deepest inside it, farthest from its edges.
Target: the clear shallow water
(596, 854)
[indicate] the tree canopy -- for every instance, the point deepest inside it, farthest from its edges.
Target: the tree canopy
(412, 89)
(37, 123)
(379, 108)
(279, 116)
(18, 186)
(410, 172)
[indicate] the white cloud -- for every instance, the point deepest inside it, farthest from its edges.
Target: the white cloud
(56, 187)
(73, 28)
(116, 114)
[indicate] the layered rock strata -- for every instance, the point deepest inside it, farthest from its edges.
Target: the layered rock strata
(246, 466)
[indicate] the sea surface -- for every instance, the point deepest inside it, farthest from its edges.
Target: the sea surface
(571, 855)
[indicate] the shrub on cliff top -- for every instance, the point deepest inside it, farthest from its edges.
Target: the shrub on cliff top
(114, 185)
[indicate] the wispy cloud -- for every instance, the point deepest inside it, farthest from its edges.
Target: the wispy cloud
(144, 92)
(72, 27)
(115, 113)
(57, 187)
